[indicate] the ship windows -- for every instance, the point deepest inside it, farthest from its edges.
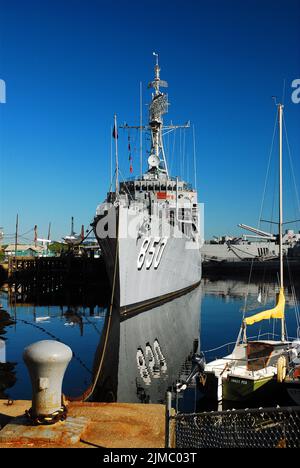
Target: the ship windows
(157, 187)
(182, 217)
(172, 218)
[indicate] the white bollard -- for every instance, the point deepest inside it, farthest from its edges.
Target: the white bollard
(46, 362)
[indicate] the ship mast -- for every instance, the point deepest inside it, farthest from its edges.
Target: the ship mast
(157, 161)
(280, 114)
(158, 107)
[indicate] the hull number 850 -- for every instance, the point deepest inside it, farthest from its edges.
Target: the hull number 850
(151, 252)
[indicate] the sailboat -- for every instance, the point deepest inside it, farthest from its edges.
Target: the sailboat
(74, 239)
(255, 363)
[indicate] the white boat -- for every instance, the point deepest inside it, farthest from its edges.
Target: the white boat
(255, 363)
(292, 380)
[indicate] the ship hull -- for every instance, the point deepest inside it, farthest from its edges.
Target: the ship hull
(137, 287)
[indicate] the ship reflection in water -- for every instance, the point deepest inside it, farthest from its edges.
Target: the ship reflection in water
(146, 352)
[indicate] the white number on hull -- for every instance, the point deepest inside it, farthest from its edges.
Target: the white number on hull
(153, 251)
(143, 251)
(161, 249)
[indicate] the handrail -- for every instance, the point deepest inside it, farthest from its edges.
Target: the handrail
(290, 338)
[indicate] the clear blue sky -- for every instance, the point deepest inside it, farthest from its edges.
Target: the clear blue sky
(69, 65)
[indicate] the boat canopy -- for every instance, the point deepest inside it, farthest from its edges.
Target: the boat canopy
(276, 313)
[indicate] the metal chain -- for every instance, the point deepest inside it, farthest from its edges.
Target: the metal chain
(47, 419)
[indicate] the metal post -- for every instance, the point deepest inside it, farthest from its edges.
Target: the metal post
(117, 159)
(220, 393)
(168, 416)
(141, 130)
(16, 237)
(195, 164)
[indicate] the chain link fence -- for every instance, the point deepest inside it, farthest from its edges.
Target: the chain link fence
(257, 428)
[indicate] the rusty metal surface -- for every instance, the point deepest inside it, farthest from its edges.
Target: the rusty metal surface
(19, 432)
(111, 425)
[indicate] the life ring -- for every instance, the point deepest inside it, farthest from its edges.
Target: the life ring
(281, 369)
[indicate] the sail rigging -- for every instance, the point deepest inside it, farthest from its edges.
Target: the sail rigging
(278, 311)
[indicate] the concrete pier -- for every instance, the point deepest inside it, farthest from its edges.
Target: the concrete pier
(111, 425)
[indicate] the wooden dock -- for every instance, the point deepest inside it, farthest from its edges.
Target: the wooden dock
(38, 279)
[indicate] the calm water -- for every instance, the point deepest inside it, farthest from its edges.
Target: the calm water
(145, 354)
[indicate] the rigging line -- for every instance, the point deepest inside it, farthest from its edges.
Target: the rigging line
(111, 157)
(126, 188)
(294, 297)
(248, 289)
(271, 227)
(262, 205)
(183, 156)
(27, 232)
(283, 91)
(180, 162)
(173, 152)
(90, 390)
(194, 156)
(268, 168)
(113, 178)
(291, 163)
(53, 337)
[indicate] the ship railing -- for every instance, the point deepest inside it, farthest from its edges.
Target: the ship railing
(268, 336)
(186, 186)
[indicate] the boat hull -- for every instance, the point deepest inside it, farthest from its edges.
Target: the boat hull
(293, 390)
(175, 267)
(239, 389)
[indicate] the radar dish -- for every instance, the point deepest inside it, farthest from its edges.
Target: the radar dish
(153, 160)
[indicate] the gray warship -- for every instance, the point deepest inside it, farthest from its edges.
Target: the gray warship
(148, 228)
(262, 246)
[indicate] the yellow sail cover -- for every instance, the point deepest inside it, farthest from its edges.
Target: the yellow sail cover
(276, 313)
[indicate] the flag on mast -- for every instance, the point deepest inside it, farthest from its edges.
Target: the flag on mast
(115, 132)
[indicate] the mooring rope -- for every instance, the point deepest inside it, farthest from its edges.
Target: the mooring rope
(88, 393)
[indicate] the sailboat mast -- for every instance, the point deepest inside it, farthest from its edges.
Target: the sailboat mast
(115, 134)
(280, 113)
